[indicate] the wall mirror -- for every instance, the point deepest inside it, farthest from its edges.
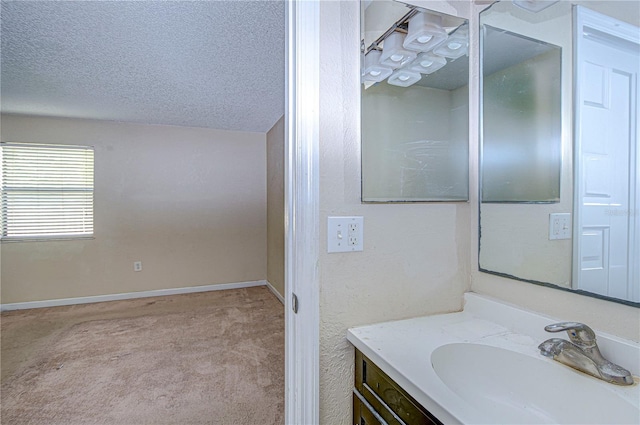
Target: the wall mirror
(560, 185)
(414, 104)
(521, 118)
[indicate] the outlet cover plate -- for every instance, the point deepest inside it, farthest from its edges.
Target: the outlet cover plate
(559, 226)
(345, 234)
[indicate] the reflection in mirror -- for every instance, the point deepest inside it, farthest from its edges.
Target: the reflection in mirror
(589, 240)
(415, 110)
(521, 118)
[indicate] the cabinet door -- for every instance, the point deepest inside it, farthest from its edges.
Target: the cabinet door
(391, 402)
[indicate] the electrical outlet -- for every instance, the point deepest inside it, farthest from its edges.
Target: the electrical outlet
(344, 234)
(137, 266)
(559, 226)
(353, 234)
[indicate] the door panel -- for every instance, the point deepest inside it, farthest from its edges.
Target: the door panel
(606, 185)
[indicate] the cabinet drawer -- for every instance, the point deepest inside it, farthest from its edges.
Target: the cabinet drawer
(394, 404)
(361, 413)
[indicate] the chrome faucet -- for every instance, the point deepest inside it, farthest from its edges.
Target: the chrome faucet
(582, 353)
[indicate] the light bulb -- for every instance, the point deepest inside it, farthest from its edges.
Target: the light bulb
(454, 45)
(427, 63)
(404, 78)
(373, 70)
(424, 32)
(396, 57)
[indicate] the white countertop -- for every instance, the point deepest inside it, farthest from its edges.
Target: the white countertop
(402, 349)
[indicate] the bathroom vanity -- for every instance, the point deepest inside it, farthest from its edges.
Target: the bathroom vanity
(482, 365)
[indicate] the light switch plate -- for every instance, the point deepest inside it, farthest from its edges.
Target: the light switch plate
(559, 226)
(345, 234)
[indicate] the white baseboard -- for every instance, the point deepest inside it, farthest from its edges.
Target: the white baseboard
(132, 295)
(275, 292)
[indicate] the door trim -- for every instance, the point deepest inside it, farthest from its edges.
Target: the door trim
(302, 329)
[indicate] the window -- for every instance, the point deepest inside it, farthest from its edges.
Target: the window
(46, 191)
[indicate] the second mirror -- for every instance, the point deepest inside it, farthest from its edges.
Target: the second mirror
(415, 104)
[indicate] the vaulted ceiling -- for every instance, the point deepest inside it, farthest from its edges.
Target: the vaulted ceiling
(215, 64)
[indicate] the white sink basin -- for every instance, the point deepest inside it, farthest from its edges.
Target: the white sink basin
(511, 387)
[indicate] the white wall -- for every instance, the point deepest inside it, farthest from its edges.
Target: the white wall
(415, 259)
(190, 203)
(275, 206)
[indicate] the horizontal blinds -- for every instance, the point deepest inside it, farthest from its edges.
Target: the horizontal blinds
(46, 191)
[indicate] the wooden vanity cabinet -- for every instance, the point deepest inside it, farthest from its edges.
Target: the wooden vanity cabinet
(378, 400)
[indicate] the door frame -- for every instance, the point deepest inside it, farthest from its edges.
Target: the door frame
(302, 328)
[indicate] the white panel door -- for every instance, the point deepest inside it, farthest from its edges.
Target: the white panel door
(606, 179)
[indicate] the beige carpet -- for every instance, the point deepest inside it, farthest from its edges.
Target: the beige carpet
(207, 358)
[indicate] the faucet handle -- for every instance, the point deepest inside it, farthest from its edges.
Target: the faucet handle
(579, 333)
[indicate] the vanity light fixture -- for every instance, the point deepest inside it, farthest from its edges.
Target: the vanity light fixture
(456, 45)
(404, 78)
(373, 71)
(427, 63)
(425, 32)
(534, 5)
(393, 53)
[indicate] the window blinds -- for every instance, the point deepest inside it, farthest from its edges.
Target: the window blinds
(46, 191)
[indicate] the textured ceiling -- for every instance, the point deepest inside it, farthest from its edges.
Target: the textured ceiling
(216, 64)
